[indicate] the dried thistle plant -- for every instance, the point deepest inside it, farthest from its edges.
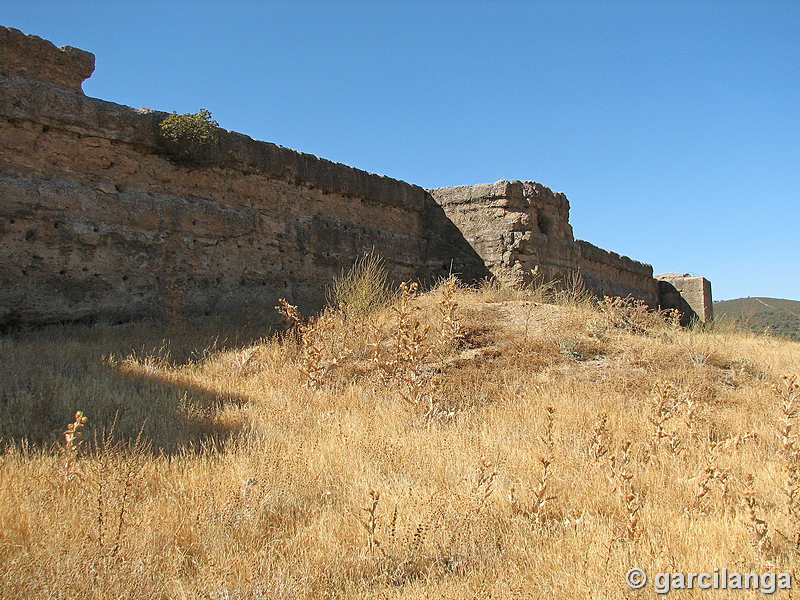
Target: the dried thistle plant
(706, 479)
(371, 522)
(536, 511)
(789, 394)
(312, 354)
(673, 317)
(547, 438)
(713, 474)
(409, 333)
(541, 495)
(600, 443)
(68, 471)
(73, 436)
(402, 364)
(290, 313)
(398, 558)
(626, 313)
(710, 477)
(419, 536)
(622, 479)
(314, 336)
(665, 407)
(449, 323)
(759, 528)
(691, 416)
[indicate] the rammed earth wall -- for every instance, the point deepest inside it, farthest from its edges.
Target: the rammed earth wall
(96, 223)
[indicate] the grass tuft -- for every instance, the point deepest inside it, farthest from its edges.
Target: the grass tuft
(363, 289)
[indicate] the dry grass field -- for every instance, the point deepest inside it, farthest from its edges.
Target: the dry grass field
(455, 444)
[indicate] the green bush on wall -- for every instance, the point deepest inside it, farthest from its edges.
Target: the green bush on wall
(190, 138)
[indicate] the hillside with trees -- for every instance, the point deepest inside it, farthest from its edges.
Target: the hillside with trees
(774, 316)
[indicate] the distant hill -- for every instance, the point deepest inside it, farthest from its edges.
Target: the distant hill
(780, 317)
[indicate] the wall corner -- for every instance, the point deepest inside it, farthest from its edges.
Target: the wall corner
(689, 294)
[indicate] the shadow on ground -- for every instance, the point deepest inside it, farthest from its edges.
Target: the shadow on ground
(49, 373)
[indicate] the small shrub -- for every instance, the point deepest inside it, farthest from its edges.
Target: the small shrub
(190, 138)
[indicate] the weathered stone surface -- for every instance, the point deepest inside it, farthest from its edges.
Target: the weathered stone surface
(107, 124)
(95, 223)
(607, 273)
(689, 294)
(93, 226)
(521, 229)
(34, 58)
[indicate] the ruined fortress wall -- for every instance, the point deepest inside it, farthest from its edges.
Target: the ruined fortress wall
(518, 228)
(95, 222)
(521, 228)
(607, 273)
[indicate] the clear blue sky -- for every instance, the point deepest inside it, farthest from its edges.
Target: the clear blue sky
(673, 127)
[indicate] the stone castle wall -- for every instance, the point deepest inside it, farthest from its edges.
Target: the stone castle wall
(522, 228)
(96, 222)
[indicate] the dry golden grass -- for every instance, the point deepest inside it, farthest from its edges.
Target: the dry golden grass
(458, 444)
